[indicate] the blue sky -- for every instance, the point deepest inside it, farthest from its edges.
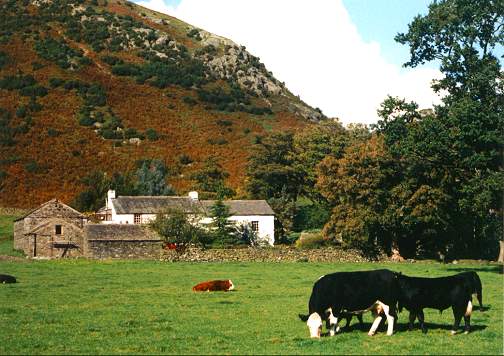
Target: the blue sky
(381, 20)
(338, 55)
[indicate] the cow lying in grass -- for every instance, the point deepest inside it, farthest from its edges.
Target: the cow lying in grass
(5, 278)
(417, 293)
(214, 286)
(338, 294)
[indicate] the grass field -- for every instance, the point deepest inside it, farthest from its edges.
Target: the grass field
(111, 307)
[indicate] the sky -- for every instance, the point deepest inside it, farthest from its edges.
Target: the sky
(337, 55)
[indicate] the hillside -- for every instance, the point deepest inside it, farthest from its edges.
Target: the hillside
(98, 85)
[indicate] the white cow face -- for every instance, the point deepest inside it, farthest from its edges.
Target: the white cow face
(231, 287)
(314, 325)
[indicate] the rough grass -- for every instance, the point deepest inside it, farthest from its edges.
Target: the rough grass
(112, 307)
(6, 242)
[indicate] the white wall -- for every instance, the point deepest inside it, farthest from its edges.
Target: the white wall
(266, 222)
(266, 225)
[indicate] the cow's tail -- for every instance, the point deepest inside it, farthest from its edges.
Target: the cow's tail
(478, 290)
(303, 317)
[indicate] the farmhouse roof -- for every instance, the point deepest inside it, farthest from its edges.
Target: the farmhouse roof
(242, 207)
(156, 205)
(53, 208)
(119, 232)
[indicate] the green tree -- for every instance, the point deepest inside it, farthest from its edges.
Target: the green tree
(453, 159)
(272, 167)
(175, 227)
(151, 179)
(210, 180)
(223, 230)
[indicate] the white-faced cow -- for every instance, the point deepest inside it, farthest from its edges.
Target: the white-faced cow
(339, 294)
(417, 293)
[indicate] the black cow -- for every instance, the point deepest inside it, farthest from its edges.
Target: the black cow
(417, 293)
(475, 283)
(337, 294)
(5, 278)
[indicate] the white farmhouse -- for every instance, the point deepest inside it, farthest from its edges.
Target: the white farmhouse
(143, 209)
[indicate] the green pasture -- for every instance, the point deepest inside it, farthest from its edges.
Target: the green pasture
(112, 307)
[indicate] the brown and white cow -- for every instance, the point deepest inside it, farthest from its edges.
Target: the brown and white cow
(214, 286)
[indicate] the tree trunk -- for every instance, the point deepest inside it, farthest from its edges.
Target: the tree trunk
(501, 253)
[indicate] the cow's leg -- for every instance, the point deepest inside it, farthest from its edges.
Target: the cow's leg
(390, 318)
(422, 321)
(333, 323)
(457, 313)
(348, 320)
(376, 322)
(412, 317)
(361, 323)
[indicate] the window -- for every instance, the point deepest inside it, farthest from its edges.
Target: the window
(138, 219)
(58, 229)
(255, 226)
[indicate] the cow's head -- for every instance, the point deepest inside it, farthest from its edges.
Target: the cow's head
(314, 325)
(231, 285)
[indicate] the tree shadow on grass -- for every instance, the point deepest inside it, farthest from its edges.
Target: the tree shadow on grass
(493, 269)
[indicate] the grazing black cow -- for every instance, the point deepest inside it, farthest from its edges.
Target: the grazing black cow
(337, 294)
(417, 293)
(5, 278)
(475, 282)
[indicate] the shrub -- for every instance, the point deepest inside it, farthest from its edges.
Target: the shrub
(125, 69)
(217, 141)
(151, 135)
(224, 123)
(33, 91)
(174, 227)
(21, 111)
(184, 159)
(189, 100)
(17, 82)
(311, 239)
(56, 82)
(86, 121)
(57, 51)
(52, 132)
(32, 167)
(4, 59)
(111, 60)
(194, 33)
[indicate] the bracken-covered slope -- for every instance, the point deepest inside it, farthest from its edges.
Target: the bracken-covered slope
(98, 85)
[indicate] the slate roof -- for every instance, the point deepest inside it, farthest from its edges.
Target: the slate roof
(119, 232)
(242, 207)
(155, 205)
(53, 208)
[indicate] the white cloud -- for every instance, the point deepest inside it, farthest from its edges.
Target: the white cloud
(315, 48)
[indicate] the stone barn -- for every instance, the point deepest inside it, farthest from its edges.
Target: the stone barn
(121, 241)
(52, 230)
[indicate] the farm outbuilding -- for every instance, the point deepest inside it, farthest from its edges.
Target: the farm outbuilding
(52, 230)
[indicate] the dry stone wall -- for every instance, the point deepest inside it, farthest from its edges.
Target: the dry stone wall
(275, 254)
(124, 249)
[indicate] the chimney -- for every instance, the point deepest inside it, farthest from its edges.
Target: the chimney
(110, 195)
(193, 195)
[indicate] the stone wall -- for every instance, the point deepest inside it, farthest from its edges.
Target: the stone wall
(123, 249)
(275, 254)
